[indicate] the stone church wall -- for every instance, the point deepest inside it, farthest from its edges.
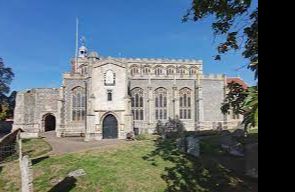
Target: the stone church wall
(173, 87)
(32, 106)
(69, 126)
(212, 95)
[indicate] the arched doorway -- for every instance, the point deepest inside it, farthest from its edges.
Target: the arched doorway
(49, 123)
(110, 127)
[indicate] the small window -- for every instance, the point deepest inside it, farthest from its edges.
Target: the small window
(109, 93)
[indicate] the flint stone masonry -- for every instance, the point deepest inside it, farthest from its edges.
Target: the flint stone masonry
(32, 105)
(89, 73)
(213, 94)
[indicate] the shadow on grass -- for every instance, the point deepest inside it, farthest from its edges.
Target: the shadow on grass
(190, 174)
(39, 159)
(65, 185)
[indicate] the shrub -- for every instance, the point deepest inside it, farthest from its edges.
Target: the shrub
(174, 128)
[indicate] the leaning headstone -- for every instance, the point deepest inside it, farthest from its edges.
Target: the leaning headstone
(180, 144)
(130, 136)
(77, 173)
(252, 160)
(237, 150)
(225, 147)
(238, 133)
(193, 147)
(26, 174)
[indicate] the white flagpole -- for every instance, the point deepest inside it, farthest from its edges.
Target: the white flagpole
(76, 49)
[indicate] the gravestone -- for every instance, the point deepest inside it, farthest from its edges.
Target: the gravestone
(252, 160)
(180, 143)
(77, 173)
(26, 174)
(238, 133)
(193, 147)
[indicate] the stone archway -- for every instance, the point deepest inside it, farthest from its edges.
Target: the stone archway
(110, 127)
(49, 122)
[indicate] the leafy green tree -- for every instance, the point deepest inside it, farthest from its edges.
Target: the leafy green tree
(237, 21)
(242, 101)
(6, 102)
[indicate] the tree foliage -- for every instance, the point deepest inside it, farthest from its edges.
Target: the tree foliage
(242, 101)
(234, 98)
(237, 21)
(6, 102)
(233, 19)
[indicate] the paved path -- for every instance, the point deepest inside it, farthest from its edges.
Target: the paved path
(73, 144)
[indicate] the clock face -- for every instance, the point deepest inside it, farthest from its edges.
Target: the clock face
(109, 79)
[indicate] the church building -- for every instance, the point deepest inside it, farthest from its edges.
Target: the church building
(107, 97)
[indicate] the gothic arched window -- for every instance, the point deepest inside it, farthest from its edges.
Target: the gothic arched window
(182, 70)
(158, 70)
(83, 70)
(146, 70)
(193, 71)
(161, 103)
(134, 70)
(137, 103)
(78, 104)
(170, 70)
(185, 103)
(109, 78)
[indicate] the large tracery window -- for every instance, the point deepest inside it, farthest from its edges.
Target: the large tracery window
(161, 103)
(137, 103)
(78, 104)
(185, 103)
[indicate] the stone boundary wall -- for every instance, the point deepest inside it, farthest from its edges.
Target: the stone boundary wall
(8, 145)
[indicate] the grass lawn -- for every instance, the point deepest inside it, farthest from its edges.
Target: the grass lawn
(147, 165)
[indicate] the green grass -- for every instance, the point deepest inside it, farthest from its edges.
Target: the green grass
(146, 165)
(35, 147)
(10, 173)
(121, 169)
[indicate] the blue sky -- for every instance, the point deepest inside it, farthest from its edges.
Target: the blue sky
(37, 37)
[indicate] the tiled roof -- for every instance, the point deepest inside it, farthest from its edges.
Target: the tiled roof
(237, 80)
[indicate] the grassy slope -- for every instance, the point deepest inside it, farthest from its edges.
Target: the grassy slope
(120, 169)
(134, 166)
(10, 173)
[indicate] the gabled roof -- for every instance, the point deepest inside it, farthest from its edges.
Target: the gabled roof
(237, 80)
(110, 60)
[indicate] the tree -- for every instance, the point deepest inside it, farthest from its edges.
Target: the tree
(6, 102)
(237, 21)
(242, 101)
